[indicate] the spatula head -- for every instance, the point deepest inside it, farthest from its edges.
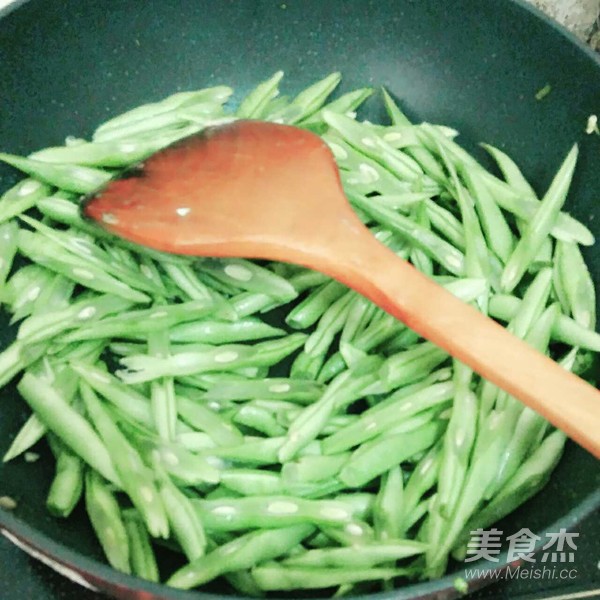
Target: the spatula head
(242, 189)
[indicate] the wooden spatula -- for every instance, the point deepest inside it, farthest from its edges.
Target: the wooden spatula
(262, 190)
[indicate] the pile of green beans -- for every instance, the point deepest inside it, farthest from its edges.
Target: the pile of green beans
(276, 428)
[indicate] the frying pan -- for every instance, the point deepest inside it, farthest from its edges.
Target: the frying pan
(67, 65)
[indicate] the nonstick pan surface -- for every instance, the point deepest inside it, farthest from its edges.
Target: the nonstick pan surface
(476, 65)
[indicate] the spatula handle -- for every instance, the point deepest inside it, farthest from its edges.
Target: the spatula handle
(568, 402)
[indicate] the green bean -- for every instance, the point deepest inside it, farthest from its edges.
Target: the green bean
(342, 391)
(381, 454)
(307, 102)
(541, 224)
(144, 118)
(419, 483)
(426, 161)
(391, 159)
(314, 468)
(411, 365)
(256, 451)
(394, 113)
(346, 103)
(86, 246)
(312, 308)
(129, 401)
(67, 424)
(41, 327)
(512, 173)
(435, 247)
(8, 247)
(565, 228)
(243, 552)
(30, 434)
(389, 510)
(72, 178)
(187, 468)
(227, 357)
(49, 254)
(254, 104)
(330, 324)
(106, 519)
(223, 332)
(139, 322)
(184, 522)
(141, 555)
(398, 408)
(523, 422)
(162, 392)
(526, 482)
(276, 577)
(248, 276)
(368, 556)
(20, 198)
(67, 486)
(446, 224)
(194, 441)
(221, 431)
(530, 309)
(565, 330)
(259, 419)
(235, 514)
(112, 153)
(253, 482)
(276, 388)
(495, 228)
(421, 261)
(56, 296)
(476, 264)
(186, 279)
(578, 285)
(458, 440)
(23, 288)
(137, 479)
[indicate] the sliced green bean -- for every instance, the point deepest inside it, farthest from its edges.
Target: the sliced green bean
(72, 178)
(106, 519)
(142, 557)
(21, 197)
(226, 357)
(512, 173)
(243, 552)
(246, 275)
(8, 248)
(185, 524)
(67, 424)
(565, 330)
(541, 224)
(49, 254)
(577, 284)
(389, 509)
(137, 479)
(67, 486)
(380, 455)
(253, 105)
(237, 514)
(199, 416)
(41, 327)
(147, 117)
(435, 247)
(307, 102)
(377, 420)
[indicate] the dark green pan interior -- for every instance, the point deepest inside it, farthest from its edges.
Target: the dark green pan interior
(67, 65)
